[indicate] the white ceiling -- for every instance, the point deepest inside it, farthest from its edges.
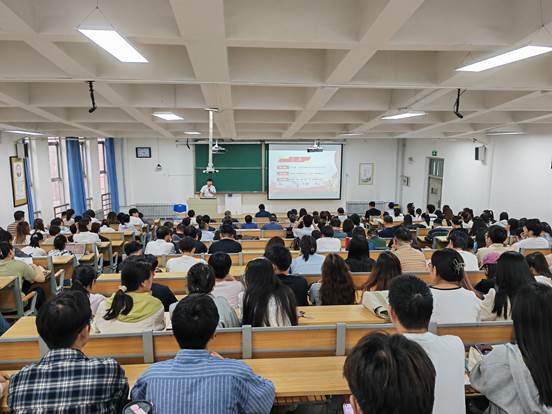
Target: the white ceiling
(285, 69)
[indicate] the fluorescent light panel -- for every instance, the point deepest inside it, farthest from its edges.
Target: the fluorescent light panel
(505, 58)
(114, 44)
(167, 116)
(25, 133)
(505, 133)
(192, 133)
(403, 115)
(350, 134)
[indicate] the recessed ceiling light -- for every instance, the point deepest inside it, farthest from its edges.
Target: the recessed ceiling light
(505, 133)
(115, 44)
(403, 115)
(167, 116)
(505, 58)
(192, 132)
(350, 134)
(25, 132)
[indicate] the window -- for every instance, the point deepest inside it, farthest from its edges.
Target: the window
(58, 193)
(436, 166)
(104, 184)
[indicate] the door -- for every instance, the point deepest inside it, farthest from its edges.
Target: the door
(435, 181)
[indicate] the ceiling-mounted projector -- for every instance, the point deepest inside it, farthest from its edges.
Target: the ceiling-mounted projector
(217, 149)
(315, 147)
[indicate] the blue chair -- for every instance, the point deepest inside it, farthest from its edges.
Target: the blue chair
(180, 210)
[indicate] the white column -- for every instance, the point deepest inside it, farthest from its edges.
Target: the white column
(93, 173)
(41, 179)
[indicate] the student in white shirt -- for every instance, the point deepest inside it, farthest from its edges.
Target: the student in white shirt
(410, 309)
(85, 236)
(533, 240)
(187, 260)
(452, 302)
(208, 190)
(134, 218)
(511, 274)
(309, 263)
(225, 284)
(84, 278)
(328, 243)
(34, 249)
(341, 214)
(539, 268)
(303, 226)
(458, 240)
(162, 246)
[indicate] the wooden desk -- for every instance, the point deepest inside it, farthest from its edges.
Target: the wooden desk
(24, 327)
(108, 283)
(6, 281)
(330, 315)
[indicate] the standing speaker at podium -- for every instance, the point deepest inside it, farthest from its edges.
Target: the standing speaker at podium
(208, 190)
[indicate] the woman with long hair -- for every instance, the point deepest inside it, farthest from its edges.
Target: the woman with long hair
(539, 268)
(385, 269)
(22, 233)
(309, 262)
(84, 278)
(132, 308)
(34, 249)
(266, 301)
(478, 230)
(517, 378)
(336, 286)
(38, 227)
(511, 273)
(358, 258)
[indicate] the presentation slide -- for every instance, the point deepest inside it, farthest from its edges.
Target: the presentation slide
(294, 173)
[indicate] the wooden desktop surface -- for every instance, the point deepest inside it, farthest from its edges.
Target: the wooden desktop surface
(330, 315)
(5, 281)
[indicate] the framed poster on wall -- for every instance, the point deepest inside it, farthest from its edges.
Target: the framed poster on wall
(366, 173)
(18, 181)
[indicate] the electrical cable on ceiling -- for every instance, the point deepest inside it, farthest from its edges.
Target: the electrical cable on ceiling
(459, 93)
(92, 97)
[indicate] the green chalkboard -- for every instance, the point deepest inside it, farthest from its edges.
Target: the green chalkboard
(240, 168)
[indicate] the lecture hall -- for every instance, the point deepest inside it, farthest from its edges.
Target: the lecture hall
(262, 206)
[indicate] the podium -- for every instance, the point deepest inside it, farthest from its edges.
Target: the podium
(203, 206)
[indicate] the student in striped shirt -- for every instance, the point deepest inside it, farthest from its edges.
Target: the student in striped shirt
(197, 381)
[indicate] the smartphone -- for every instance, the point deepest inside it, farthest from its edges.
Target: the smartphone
(348, 409)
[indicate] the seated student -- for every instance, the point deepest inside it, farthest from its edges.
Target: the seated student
(162, 245)
(6, 236)
(390, 208)
(539, 268)
(458, 240)
(206, 382)
(348, 227)
(34, 249)
(409, 223)
(389, 228)
(125, 225)
(389, 374)
(53, 231)
(225, 284)
(266, 300)
(430, 211)
(358, 257)
(385, 269)
(59, 247)
(517, 378)
(226, 244)
(83, 280)
(192, 217)
(187, 260)
(372, 210)
(374, 241)
(18, 216)
(336, 286)
(134, 217)
(437, 230)
(201, 279)
(452, 303)
(355, 218)
(532, 231)
(309, 262)
(328, 243)
(197, 235)
(91, 216)
(204, 229)
(280, 257)
(38, 227)
(132, 308)
(495, 237)
(412, 260)
(273, 224)
(85, 236)
(249, 223)
(303, 226)
(410, 308)
(22, 233)
(65, 380)
(511, 273)
(262, 211)
(178, 233)
(341, 214)
(159, 291)
(336, 226)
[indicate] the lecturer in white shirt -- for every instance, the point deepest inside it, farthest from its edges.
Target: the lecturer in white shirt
(208, 190)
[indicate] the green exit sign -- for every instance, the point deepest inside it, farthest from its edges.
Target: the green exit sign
(433, 153)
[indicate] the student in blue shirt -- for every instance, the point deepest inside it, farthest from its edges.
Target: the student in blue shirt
(249, 223)
(272, 224)
(199, 381)
(262, 211)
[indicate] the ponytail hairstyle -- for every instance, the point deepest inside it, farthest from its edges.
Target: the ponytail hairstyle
(307, 246)
(134, 271)
(5, 249)
(39, 225)
(84, 277)
(449, 265)
(36, 238)
(59, 242)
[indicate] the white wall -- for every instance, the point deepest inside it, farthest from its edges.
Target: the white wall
(175, 182)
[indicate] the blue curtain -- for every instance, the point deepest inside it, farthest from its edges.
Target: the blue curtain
(112, 173)
(76, 176)
(30, 206)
